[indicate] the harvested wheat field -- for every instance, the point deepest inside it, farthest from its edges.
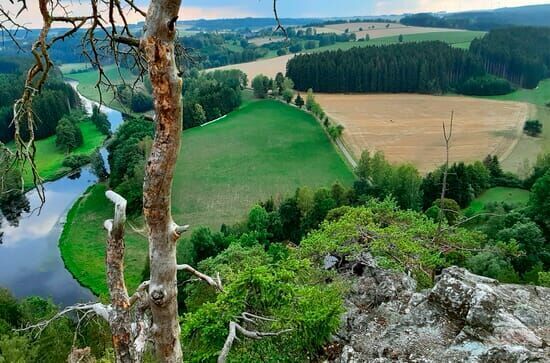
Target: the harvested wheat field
(380, 30)
(268, 67)
(408, 128)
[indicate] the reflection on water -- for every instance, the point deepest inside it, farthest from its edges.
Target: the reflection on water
(30, 260)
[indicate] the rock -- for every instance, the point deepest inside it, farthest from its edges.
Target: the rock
(463, 318)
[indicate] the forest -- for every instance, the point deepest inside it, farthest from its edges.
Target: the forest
(57, 99)
(536, 15)
(518, 54)
(427, 67)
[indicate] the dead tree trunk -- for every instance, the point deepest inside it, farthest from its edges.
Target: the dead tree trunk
(158, 45)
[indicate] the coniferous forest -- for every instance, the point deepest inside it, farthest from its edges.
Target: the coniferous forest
(519, 54)
(427, 67)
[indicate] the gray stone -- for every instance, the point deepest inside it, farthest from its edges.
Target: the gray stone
(463, 318)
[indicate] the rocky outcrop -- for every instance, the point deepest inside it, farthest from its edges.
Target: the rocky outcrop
(463, 318)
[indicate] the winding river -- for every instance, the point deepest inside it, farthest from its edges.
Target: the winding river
(30, 260)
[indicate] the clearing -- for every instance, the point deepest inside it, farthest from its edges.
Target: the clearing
(271, 66)
(408, 127)
(496, 195)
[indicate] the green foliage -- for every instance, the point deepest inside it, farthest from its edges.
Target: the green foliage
(539, 202)
(261, 85)
(288, 95)
(141, 102)
(451, 211)
(75, 161)
(425, 67)
(492, 265)
(100, 120)
(299, 101)
(290, 291)
(486, 85)
(378, 178)
(532, 128)
(210, 95)
(68, 134)
(401, 240)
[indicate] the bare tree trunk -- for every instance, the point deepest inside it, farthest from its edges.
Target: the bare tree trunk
(120, 319)
(158, 44)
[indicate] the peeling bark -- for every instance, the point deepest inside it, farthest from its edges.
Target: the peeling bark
(158, 46)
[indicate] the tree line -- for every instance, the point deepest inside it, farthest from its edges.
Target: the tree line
(519, 54)
(426, 67)
(55, 101)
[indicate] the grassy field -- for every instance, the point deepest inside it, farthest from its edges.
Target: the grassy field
(496, 195)
(72, 67)
(264, 149)
(49, 158)
(82, 244)
(87, 85)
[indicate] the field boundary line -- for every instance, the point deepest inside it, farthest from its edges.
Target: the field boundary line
(211, 122)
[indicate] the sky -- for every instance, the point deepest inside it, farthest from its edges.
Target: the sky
(211, 9)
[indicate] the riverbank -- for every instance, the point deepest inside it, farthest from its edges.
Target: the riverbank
(49, 159)
(82, 243)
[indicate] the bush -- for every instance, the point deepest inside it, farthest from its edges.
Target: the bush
(76, 161)
(288, 95)
(261, 85)
(68, 134)
(532, 128)
(141, 102)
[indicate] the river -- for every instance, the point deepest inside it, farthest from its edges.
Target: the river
(30, 260)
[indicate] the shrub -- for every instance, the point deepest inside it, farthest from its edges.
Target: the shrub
(532, 128)
(76, 161)
(487, 85)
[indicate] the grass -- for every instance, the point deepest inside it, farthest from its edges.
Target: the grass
(460, 39)
(87, 85)
(83, 244)
(49, 158)
(263, 149)
(72, 67)
(497, 195)
(528, 148)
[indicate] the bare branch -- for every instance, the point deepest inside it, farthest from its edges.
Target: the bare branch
(214, 282)
(235, 328)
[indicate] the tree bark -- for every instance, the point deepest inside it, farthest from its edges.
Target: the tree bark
(158, 45)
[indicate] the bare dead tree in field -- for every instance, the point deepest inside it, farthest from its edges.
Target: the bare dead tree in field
(447, 136)
(151, 313)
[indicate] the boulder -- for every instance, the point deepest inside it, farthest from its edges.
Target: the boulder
(463, 318)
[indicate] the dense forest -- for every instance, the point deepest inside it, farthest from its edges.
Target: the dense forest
(519, 54)
(536, 15)
(56, 100)
(427, 67)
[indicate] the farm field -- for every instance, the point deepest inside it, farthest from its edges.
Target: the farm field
(271, 66)
(263, 149)
(381, 30)
(497, 195)
(528, 148)
(407, 127)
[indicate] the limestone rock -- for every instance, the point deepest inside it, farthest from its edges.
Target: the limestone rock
(463, 318)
